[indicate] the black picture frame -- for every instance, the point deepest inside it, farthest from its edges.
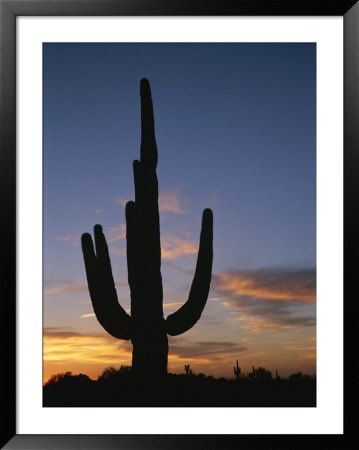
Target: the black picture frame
(9, 10)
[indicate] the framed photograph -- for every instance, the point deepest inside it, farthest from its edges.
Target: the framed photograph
(175, 178)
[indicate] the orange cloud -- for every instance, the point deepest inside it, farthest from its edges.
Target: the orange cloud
(67, 349)
(173, 247)
(70, 349)
(269, 299)
(63, 287)
(285, 286)
(115, 234)
(212, 358)
(311, 357)
(170, 201)
(172, 305)
(74, 239)
(64, 238)
(120, 201)
(53, 287)
(256, 324)
(210, 351)
(95, 348)
(117, 251)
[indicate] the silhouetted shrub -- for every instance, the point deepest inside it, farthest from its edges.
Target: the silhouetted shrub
(118, 387)
(260, 373)
(110, 373)
(58, 378)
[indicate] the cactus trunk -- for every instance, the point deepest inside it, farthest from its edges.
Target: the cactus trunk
(146, 327)
(150, 351)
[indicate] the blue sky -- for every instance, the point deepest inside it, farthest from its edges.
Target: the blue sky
(236, 132)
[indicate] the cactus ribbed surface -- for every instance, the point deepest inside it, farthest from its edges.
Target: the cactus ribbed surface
(146, 326)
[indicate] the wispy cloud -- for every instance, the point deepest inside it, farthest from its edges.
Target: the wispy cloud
(209, 350)
(171, 201)
(86, 316)
(117, 251)
(73, 239)
(174, 246)
(52, 287)
(120, 201)
(256, 321)
(168, 201)
(267, 299)
(70, 346)
(172, 305)
(69, 237)
(60, 332)
(67, 329)
(63, 344)
(186, 271)
(66, 349)
(274, 285)
(115, 234)
(311, 356)
(168, 305)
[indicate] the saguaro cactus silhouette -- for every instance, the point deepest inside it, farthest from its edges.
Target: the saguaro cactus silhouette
(146, 326)
(237, 370)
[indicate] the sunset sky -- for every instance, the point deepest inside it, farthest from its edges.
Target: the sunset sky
(236, 132)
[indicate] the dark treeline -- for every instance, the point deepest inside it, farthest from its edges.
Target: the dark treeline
(117, 387)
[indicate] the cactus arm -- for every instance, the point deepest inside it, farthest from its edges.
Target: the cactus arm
(108, 311)
(184, 319)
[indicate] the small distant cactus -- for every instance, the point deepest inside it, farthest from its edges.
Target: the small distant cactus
(188, 370)
(146, 326)
(253, 374)
(237, 370)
